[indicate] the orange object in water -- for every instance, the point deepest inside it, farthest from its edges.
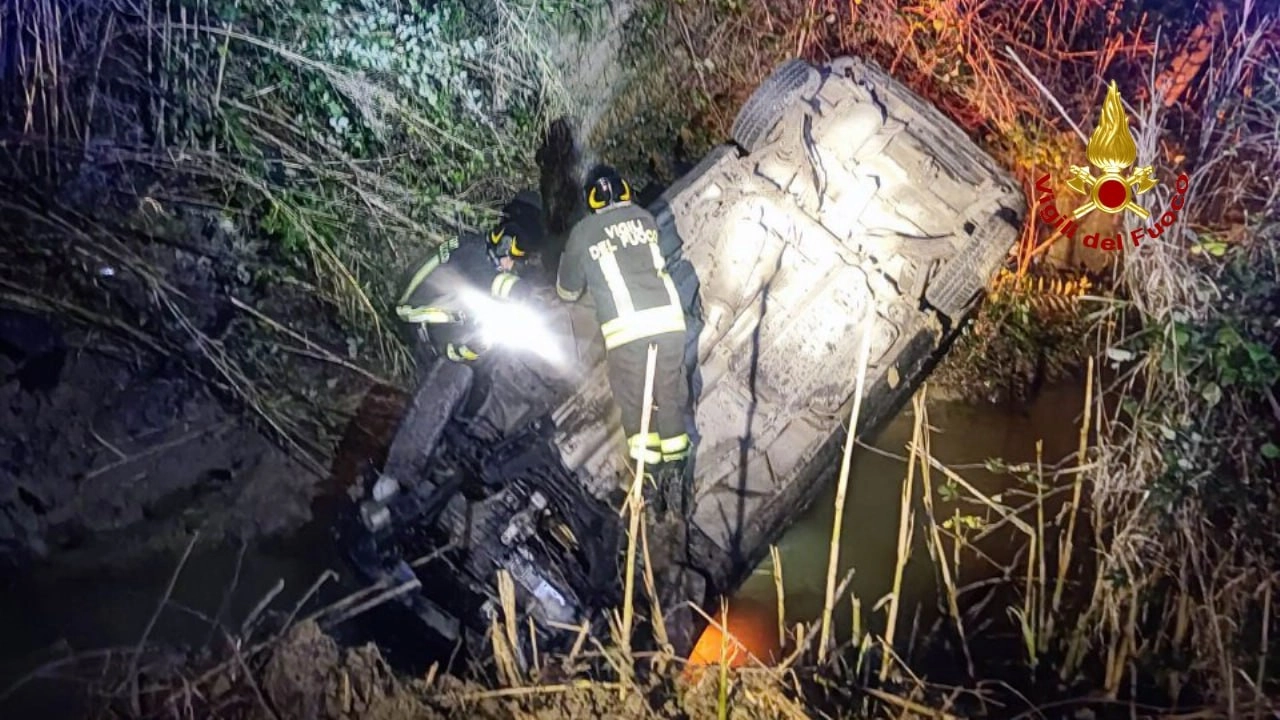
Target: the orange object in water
(753, 625)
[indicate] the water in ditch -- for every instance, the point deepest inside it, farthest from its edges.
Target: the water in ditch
(964, 437)
(48, 615)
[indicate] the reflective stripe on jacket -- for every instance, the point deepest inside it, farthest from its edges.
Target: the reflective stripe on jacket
(431, 288)
(615, 256)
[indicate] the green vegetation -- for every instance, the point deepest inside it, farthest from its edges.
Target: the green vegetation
(331, 142)
(1223, 452)
(395, 125)
(1027, 336)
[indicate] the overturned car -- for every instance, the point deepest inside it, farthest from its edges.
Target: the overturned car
(845, 202)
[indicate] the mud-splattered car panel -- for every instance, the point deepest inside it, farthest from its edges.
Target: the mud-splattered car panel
(860, 195)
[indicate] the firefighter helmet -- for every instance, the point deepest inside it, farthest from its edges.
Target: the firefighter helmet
(606, 187)
(505, 241)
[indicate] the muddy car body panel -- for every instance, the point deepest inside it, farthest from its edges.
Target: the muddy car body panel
(858, 197)
(846, 202)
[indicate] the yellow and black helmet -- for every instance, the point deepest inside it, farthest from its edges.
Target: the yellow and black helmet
(505, 241)
(605, 187)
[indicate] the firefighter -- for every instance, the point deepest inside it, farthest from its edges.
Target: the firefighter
(613, 254)
(431, 301)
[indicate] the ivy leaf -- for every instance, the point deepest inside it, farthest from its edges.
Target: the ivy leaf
(1211, 393)
(1270, 451)
(1257, 353)
(1228, 337)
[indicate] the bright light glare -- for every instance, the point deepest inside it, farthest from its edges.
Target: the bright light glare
(512, 325)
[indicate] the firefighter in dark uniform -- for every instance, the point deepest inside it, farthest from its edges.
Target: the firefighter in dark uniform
(613, 253)
(431, 301)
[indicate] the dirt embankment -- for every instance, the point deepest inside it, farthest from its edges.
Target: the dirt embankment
(309, 675)
(115, 446)
(116, 442)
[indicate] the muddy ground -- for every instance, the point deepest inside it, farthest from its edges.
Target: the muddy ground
(120, 458)
(315, 678)
(125, 421)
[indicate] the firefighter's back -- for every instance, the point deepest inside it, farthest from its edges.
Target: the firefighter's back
(622, 262)
(438, 276)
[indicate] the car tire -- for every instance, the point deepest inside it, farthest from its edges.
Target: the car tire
(766, 106)
(961, 279)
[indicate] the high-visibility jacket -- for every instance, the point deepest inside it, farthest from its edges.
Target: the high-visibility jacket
(432, 287)
(614, 255)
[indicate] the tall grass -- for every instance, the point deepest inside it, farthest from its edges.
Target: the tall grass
(133, 125)
(1171, 535)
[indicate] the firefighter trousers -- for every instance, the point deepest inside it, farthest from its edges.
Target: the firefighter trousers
(668, 438)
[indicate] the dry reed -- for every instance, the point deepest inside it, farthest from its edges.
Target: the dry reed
(906, 525)
(634, 509)
(833, 551)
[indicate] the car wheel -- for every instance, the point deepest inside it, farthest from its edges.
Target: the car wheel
(766, 106)
(961, 279)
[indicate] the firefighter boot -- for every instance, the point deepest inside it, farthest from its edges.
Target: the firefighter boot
(652, 492)
(676, 487)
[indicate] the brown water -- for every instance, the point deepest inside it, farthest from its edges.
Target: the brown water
(964, 435)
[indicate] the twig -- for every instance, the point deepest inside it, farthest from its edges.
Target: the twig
(24, 297)
(980, 496)
(325, 577)
(948, 582)
(540, 690)
(905, 527)
(261, 606)
(248, 676)
(157, 449)
(1045, 91)
(347, 601)
(909, 706)
(119, 455)
(1065, 545)
(222, 69)
(722, 626)
(434, 554)
(132, 677)
(655, 603)
(373, 602)
(97, 73)
(216, 624)
(780, 592)
(812, 632)
(1264, 646)
(263, 645)
(722, 684)
(326, 354)
(21, 682)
